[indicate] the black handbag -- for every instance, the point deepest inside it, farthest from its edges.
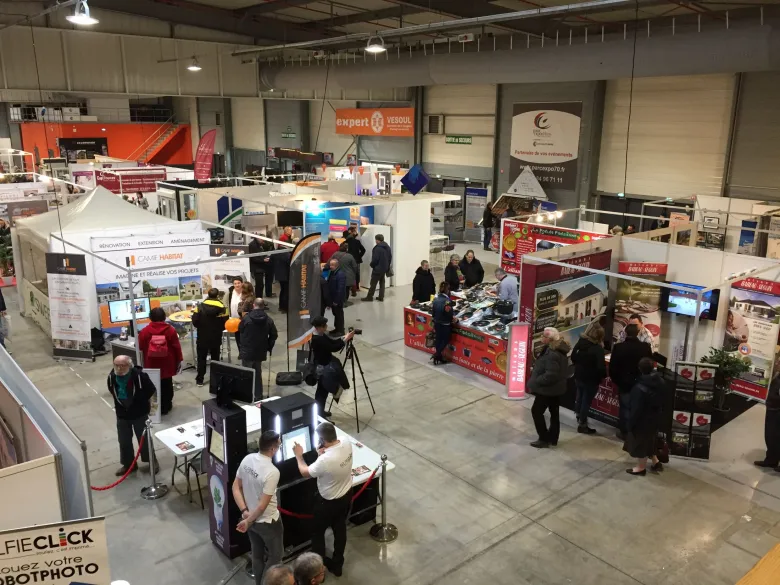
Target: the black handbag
(430, 340)
(289, 378)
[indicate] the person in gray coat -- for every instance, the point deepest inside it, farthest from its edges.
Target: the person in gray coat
(548, 384)
(349, 267)
(381, 262)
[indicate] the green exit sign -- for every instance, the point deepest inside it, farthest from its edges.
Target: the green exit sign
(457, 139)
(288, 134)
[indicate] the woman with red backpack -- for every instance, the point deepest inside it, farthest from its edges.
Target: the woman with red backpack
(161, 350)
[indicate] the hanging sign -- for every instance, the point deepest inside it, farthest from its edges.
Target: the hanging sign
(65, 553)
(375, 121)
(131, 181)
(449, 139)
(69, 300)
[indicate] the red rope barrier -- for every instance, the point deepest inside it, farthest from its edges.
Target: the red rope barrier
(128, 472)
(355, 497)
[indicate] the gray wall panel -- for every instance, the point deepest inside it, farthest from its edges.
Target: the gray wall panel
(281, 115)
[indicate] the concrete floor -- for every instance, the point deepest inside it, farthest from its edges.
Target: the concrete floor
(473, 502)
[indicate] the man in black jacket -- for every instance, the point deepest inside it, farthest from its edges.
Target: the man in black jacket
(381, 261)
(356, 249)
(209, 319)
(772, 423)
(258, 336)
(423, 285)
(262, 266)
(487, 224)
(132, 390)
(624, 370)
(282, 273)
(322, 347)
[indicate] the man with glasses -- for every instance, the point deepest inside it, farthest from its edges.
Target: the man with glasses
(254, 491)
(132, 390)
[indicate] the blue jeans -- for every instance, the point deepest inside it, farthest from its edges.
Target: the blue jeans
(586, 392)
(443, 333)
(487, 237)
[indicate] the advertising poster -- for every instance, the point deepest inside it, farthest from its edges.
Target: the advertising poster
(305, 299)
(476, 201)
(36, 306)
(174, 289)
(694, 401)
(546, 138)
(565, 298)
(222, 273)
(517, 361)
(84, 179)
(636, 298)
(334, 221)
(65, 553)
(69, 298)
(471, 348)
(519, 238)
(130, 181)
(204, 156)
(13, 211)
(375, 122)
(74, 149)
(747, 238)
(773, 238)
(752, 329)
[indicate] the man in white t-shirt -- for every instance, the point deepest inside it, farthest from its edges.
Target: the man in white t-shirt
(254, 491)
(333, 471)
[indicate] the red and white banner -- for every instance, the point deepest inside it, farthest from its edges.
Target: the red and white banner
(204, 157)
(640, 268)
(517, 360)
(130, 182)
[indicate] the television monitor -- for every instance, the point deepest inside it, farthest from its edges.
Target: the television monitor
(231, 383)
(120, 311)
(217, 445)
(682, 302)
(302, 436)
(291, 218)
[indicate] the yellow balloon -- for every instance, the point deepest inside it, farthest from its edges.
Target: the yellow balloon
(231, 326)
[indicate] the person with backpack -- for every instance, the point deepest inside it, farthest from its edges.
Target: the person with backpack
(209, 319)
(161, 350)
(646, 412)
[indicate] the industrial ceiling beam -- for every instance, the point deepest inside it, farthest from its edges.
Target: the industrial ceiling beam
(192, 14)
(269, 6)
(336, 21)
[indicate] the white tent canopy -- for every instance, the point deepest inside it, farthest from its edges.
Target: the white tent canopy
(101, 209)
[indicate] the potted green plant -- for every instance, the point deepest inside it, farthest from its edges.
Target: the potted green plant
(730, 366)
(6, 256)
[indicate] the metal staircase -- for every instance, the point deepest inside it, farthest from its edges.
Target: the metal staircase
(156, 141)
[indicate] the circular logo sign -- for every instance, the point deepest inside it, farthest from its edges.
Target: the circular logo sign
(377, 122)
(744, 348)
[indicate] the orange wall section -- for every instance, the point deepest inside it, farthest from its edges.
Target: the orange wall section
(123, 139)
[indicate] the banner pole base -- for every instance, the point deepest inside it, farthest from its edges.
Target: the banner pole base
(384, 532)
(154, 492)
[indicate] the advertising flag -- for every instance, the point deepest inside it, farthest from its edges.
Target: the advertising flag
(305, 300)
(204, 157)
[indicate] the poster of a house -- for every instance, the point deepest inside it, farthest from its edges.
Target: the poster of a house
(190, 288)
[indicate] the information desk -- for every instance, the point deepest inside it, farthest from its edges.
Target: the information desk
(471, 348)
(186, 441)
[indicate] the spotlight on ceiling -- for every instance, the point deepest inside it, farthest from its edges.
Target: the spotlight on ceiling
(376, 45)
(81, 15)
(194, 66)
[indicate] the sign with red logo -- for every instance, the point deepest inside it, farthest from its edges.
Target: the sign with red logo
(130, 181)
(471, 348)
(519, 238)
(204, 157)
(517, 362)
(640, 268)
(375, 121)
(694, 402)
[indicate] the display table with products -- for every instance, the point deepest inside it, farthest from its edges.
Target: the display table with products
(479, 339)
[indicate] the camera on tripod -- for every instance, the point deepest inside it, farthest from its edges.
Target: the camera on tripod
(355, 331)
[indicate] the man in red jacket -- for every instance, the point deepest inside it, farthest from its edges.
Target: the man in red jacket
(328, 249)
(161, 350)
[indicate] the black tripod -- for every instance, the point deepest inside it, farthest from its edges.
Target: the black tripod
(352, 357)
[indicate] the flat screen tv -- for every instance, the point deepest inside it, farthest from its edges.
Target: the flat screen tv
(683, 302)
(291, 218)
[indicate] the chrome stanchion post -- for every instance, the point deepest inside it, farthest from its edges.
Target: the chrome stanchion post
(384, 532)
(156, 490)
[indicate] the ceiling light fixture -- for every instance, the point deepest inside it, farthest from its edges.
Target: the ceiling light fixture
(81, 15)
(376, 45)
(194, 66)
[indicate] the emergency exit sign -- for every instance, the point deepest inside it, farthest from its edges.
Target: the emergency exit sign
(457, 139)
(288, 134)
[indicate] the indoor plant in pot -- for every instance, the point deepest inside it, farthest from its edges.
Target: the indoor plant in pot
(730, 366)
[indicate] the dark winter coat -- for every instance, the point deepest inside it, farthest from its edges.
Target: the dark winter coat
(645, 415)
(337, 287)
(551, 370)
(330, 372)
(167, 365)
(442, 310)
(258, 335)
(258, 263)
(140, 390)
(381, 258)
(488, 219)
(423, 286)
(356, 249)
(348, 266)
(773, 394)
(588, 359)
(209, 318)
(452, 278)
(624, 362)
(282, 267)
(472, 272)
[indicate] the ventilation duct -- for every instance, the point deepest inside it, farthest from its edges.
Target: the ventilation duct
(752, 48)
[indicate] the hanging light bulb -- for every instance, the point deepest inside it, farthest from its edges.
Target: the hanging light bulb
(194, 66)
(540, 217)
(376, 45)
(81, 15)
